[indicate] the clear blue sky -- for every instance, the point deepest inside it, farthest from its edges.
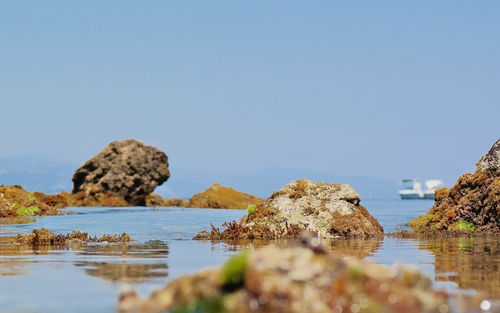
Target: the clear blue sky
(389, 89)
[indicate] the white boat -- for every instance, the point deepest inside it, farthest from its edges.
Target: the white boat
(431, 186)
(412, 189)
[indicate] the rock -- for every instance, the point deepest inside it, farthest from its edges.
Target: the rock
(128, 169)
(294, 279)
(326, 210)
(94, 196)
(220, 197)
(154, 200)
(471, 205)
(15, 201)
(490, 161)
(44, 237)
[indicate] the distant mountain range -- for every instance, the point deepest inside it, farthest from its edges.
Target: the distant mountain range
(185, 183)
(36, 173)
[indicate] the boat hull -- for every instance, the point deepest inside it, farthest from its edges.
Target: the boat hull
(429, 195)
(410, 196)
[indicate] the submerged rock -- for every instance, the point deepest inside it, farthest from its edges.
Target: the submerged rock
(15, 201)
(127, 169)
(155, 200)
(326, 210)
(221, 197)
(295, 279)
(471, 205)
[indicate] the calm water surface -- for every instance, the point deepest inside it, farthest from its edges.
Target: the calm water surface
(86, 278)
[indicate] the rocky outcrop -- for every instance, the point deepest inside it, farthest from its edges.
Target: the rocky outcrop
(155, 200)
(127, 169)
(220, 197)
(295, 279)
(326, 210)
(15, 201)
(471, 205)
(490, 161)
(94, 196)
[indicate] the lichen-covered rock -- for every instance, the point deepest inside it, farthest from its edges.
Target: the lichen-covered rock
(15, 201)
(471, 205)
(129, 169)
(294, 279)
(326, 210)
(155, 200)
(490, 161)
(221, 197)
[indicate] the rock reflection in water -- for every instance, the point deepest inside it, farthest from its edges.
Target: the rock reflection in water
(125, 273)
(123, 270)
(472, 263)
(360, 248)
(15, 258)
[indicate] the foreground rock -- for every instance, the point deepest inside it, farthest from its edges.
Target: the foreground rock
(154, 200)
(220, 197)
(126, 169)
(471, 205)
(43, 237)
(326, 210)
(15, 201)
(295, 279)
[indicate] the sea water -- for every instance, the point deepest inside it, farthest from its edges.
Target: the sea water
(87, 278)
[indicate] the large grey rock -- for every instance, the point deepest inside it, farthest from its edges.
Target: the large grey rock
(325, 210)
(320, 206)
(491, 160)
(127, 168)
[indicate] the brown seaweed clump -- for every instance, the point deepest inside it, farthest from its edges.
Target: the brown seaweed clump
(472, 205)
(325, 210)
(293, 279)
(221, 197)
(44, 237)
(155, 200)
(94, 196)
(15, 201)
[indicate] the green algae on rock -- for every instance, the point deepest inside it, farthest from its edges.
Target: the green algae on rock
(326, 210)
(472, 205)
(221, 197)
(44, 237)
(295, 279)
(15, 201)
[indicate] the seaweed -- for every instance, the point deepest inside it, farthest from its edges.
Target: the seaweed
(202, 305)
(233, 272)
(474, 198)
(44, 237)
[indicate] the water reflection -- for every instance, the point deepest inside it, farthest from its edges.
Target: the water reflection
(360, 248)
(131, 263)
(471, 263)
(125, 273)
